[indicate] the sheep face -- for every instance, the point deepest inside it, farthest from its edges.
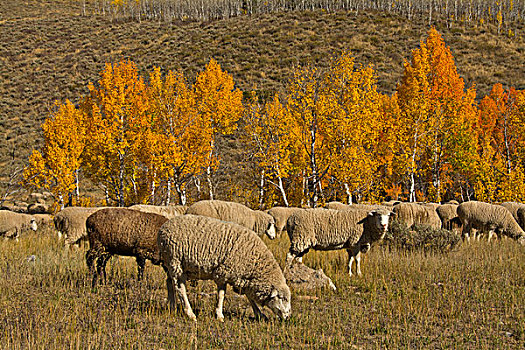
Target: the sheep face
(32, 225)
(380, 219)
(279, 303)
(270, 231)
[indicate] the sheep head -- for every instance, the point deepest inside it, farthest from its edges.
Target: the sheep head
(378, 220)
(279, 302)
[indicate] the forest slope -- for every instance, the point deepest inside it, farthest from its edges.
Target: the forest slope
(50, 52)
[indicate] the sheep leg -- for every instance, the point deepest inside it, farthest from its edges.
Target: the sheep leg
(180, 287)
(169, 286)
(91, 256)
(290, 258)
(141, 263)
(221, 291)
(465, 232)
(354, 254)
(257, 311)
(101, 265)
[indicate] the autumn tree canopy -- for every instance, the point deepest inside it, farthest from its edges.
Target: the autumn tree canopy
(328, 135)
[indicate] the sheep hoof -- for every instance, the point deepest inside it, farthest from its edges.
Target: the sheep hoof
(332, 285)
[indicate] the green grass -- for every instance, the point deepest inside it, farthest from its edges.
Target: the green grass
(472, 297)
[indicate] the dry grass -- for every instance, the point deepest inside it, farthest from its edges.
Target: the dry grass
(473, 297)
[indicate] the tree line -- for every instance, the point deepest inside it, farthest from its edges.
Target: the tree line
(502, 13)
(330, 135)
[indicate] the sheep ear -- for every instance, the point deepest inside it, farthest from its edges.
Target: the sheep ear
(392, 213)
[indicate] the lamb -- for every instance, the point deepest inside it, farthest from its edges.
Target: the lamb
(329, 229)
(12, 224)
(169, 211)
(489, 218)
(280, 215)
(71, 222)
(448, 213)
(198, 247)
(513, 208)
(411, 214)
(255, 220)
(125, 232)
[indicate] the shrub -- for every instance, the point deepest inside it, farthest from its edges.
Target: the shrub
(421, 237)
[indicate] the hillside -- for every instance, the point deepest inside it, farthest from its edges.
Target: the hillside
(51, 52)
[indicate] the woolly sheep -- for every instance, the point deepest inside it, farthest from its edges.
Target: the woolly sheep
(342, 206)
(411, 214)
(255, 220)
(199, 247)
(281, 215)
(328, 229)
(71, 222)
(169, 211)
(513, 208)
(125, 232)
(489, 218)
(448, 213)
(12, 224)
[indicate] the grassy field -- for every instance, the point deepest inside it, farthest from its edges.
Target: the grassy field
(51, 52)
(471, 298)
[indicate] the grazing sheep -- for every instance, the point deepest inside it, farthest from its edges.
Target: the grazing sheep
(411, 214)
(513, 208)
(71, 222)
(12, 224)
(255, 220)
(204, 248)
(169, 211)
(448, 213)
(490, 218)
(328, 229)
(125, 232)
(280, 215)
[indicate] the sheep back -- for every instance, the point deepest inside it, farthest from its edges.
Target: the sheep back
(126, 232)
(169, 211)
(411, 214)
(254, 220)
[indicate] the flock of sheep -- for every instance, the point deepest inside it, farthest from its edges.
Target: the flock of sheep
(221, 241)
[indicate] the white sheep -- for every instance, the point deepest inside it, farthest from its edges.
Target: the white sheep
(71, 222)
(281, 215)
(342, 206)
(122, 231)
(255, 220)
(513, 207)
(448, 213)
(410, 214)
(329, 229)
(198, 247)
(12, 224)
(168, 211)
(490, 218)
